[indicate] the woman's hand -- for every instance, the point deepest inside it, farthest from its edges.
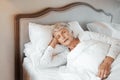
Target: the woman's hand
(53, 42)
(104, 68)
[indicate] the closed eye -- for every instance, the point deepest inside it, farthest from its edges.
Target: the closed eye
(63, 31)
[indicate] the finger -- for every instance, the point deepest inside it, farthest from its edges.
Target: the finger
(105, 74)
(108, 73)
(98, 73)
(102, 73)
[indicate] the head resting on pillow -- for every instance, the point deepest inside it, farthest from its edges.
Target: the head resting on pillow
(63, 34)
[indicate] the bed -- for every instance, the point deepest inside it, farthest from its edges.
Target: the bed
(77, 11)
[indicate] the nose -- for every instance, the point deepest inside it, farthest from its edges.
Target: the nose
(63, 36)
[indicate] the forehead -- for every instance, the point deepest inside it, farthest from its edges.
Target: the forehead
(60, 31)
(63, 29)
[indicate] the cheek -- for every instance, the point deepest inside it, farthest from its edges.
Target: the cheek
(70, 36)
(60, 40)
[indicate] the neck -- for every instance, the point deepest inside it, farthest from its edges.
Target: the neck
(73, 43)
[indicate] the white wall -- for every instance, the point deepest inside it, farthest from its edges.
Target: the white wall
(8, 8)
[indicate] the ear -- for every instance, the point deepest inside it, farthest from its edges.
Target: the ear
(72, 32)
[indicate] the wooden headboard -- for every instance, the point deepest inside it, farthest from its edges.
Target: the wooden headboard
(70, 12)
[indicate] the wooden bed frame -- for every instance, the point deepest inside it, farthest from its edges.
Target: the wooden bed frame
(18, 61)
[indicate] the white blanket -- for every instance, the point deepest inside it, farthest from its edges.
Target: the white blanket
(83, 61)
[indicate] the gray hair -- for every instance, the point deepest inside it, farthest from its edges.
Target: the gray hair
(61, 25)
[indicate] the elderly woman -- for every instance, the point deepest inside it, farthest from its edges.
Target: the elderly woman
(62, 35)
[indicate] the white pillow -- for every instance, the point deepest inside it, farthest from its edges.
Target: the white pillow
(115, 30)
(109, 29)
(76, 28)
(40, 35)
(100, 27)
(31, 50)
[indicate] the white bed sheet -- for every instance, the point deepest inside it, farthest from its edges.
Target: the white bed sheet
(53, 73)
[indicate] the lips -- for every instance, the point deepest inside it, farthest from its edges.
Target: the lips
(65, 40)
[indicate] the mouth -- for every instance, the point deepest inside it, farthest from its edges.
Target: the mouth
(65, 40)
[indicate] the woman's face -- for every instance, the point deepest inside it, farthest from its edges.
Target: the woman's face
(63, 36)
